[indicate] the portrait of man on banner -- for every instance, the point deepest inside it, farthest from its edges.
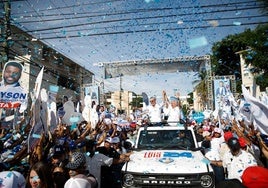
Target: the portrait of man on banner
(221, 92)
(13, 97)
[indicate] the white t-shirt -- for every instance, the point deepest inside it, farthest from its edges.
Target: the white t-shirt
(237, 164)
(154, 113)
(174, 116)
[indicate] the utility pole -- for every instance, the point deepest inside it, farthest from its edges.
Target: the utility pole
(120, 93)
(6, 33)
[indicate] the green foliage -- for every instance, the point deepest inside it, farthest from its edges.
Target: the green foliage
(257, 54)
(264, 5)
(136, 102)
(254, 47)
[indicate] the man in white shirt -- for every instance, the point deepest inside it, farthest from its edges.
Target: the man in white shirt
(237, 160)
(153, 110)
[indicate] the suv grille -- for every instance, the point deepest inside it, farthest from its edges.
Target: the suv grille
(160, 180)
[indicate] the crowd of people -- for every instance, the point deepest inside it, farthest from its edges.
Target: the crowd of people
(92, 154)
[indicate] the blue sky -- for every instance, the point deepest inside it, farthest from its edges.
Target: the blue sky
(92, 32)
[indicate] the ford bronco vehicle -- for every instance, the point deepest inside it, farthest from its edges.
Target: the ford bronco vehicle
(166, 156)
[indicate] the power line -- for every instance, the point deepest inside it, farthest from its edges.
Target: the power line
(129, 19)
(150, 30)
(151, 24)
(133, 10)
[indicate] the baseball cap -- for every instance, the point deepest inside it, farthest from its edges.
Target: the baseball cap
(217, 130)
(206, 133)
(77, 183)
(255, 176)
(228, 135)
(242, 142)
(109, 139)
(115, 140)
(58, 150)
(77, 160)
(12, 179)
(233, 144)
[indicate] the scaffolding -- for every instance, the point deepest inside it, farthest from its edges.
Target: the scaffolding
(167, 65)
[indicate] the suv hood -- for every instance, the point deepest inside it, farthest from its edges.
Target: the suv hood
(167, 161)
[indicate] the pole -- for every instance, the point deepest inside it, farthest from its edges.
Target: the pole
(120, 92)
(6, 33)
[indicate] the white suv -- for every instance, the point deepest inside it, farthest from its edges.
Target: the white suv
(166, 156)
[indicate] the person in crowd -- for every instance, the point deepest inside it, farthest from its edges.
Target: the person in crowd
(12, 179)
(100, 133)
(206, 143)
(153, 110)
(117, 145)
(95, 160)
(57, 160)
(224, 147)
(217, 139)
(244, 146)
(77, 183)
(213, 153)
(40, 176)
(58, 156)
(111, 175)
(199, 135)
(60, 176)
(174, 112)
(183, 141)
(77, 168)
(65, 99)
(235, 161)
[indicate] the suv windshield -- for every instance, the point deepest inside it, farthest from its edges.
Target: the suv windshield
(166, 139)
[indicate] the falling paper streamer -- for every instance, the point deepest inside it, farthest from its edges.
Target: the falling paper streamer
(214, 23)
(237, 23)
(179, 22)
(198, 42)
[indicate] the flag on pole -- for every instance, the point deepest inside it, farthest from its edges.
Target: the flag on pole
(38, 83)
(259, 111)
(36, 122)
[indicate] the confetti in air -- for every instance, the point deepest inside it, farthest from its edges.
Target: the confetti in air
(198, 42)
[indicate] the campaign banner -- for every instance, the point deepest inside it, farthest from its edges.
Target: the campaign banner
(12, 94)
(221, 92)
(91, 94)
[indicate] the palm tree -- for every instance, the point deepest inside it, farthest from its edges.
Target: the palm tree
(201, 87)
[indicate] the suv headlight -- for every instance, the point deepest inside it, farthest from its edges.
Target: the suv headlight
(128, 180)
(206, 181)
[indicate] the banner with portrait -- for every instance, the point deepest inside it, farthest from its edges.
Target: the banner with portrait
(91, 94)
(221, 92)
(13, 97)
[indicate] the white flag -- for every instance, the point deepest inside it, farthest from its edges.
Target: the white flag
(259, 111)
(38, 83)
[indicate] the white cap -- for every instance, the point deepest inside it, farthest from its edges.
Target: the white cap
(115, 140)
(109, 139)
(77, 183)
(12, 179)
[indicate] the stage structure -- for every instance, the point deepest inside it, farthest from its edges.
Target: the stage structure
(168, 65)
